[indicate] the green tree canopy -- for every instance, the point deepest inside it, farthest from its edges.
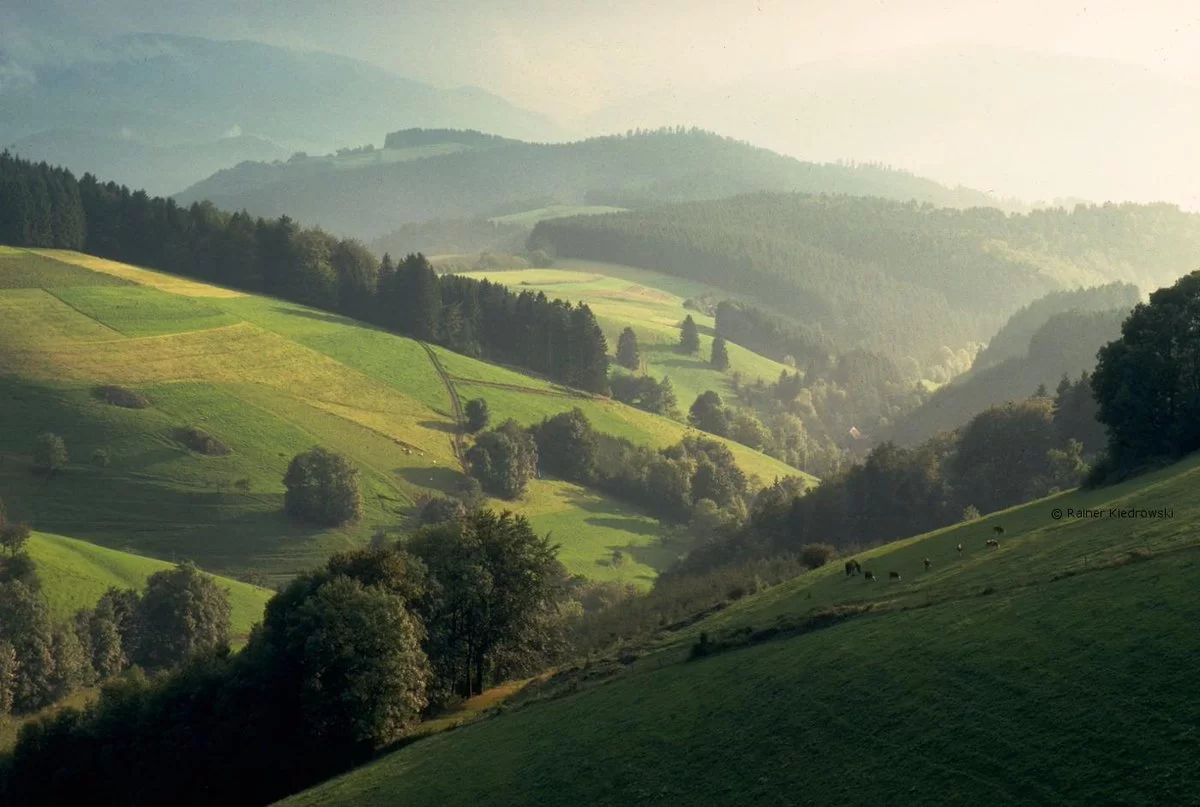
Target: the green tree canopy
(720, 354)
(689, 335)
(478, 415)
(627, 349)
(322, 488)
(182, 613)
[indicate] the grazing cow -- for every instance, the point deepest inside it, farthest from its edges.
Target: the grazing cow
(998, 529)
(869, 576)
(849, 568)
(993, 542)
(927, 564)
(960, 548)
(893, 575)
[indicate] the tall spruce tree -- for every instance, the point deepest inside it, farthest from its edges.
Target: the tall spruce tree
(627, 349)
(689, 335)
(720, 354)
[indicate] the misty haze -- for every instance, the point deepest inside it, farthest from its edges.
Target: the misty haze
(540, 402)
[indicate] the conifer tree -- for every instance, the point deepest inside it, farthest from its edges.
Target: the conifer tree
(627, 349)
(689, 335)
(720, 354)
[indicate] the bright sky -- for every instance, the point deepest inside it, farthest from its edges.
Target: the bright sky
(568, 57)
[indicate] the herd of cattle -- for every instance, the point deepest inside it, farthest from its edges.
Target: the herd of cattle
(853, 567)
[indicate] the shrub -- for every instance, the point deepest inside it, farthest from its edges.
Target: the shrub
(970, 513)
(814, 556)
(202, 442)
(119, 396)
(100, 458)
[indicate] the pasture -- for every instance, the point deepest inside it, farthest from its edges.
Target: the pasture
(269, 379)
(651, 304)
(1057, 668)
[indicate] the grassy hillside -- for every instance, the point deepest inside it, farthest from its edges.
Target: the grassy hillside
(1055, 669)
(652, 304)
(269, 379)
(75, 573)
(886, 275)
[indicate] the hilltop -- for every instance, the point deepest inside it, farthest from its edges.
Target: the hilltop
(268, 379)
(472, 181)
(896, 277)
(1054, 668)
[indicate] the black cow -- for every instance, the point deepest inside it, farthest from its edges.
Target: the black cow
(893, 575)
(998, 529)
(869, 576)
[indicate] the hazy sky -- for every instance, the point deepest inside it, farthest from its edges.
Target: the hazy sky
(568, 57)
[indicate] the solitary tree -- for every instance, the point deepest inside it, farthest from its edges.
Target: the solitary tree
(50, 453)
(504, 460)
(708, 414)
(689, 335)
(478, 415)
(720, 355)
(627, 349)
(322, 488)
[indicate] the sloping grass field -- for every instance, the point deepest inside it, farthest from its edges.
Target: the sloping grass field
(651, 304)
(1058, 668)
(269, 379)
(75, 574)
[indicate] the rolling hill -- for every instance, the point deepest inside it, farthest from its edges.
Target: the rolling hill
(131, 86)
(889, 276)
(74, 574)
(652, 304)
(1054, 669)
(139, 164)
(269, 379)
(623, 171)
(940, 110)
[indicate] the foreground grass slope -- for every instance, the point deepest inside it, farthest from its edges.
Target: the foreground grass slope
(1058, 668)
(269, 379)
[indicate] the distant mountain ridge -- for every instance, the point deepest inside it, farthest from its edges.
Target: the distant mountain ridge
(633, 170)
(167, 90)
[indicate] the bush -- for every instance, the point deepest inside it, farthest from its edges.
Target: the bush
(49, 453)
(100, 458)
(814, 556)
(202, 442)
(322, 488)
(119, 396)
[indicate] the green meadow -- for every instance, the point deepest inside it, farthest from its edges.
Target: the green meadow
(1056, 668)
(269, 379)
(651, 304)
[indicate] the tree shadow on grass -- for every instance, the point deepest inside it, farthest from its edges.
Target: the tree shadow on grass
(323, 316)
(439, 426)
(442, 477)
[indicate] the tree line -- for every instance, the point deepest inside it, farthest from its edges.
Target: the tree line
(305, 265)
(898, 277)
(1005, 455)
(346, 660)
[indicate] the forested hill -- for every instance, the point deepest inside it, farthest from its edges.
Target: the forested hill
(899, 277)
(474, 178)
